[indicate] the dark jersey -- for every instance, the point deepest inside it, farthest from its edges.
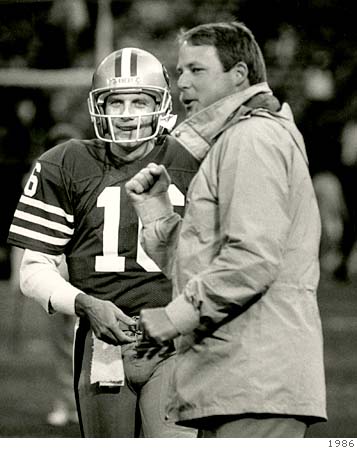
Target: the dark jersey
(75, 203)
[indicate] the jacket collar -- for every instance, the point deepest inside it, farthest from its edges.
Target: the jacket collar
(197, 133)
(286, 119)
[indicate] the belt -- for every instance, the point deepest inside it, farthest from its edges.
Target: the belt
(143, 343)
(131, 330)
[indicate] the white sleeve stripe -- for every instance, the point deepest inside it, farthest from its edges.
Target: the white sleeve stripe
(41, 221)
(46, 207)
(37, 236)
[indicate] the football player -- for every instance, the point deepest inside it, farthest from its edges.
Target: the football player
(75, 204)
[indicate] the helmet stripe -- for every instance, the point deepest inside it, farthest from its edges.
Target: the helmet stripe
(134, 64)
(118, 66)
(125, 62)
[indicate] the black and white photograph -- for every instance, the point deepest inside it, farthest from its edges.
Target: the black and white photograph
(178, 224)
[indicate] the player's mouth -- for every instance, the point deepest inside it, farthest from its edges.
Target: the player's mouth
(126, 127)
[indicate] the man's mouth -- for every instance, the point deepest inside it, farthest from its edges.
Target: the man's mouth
(188, 102)
(189, 105)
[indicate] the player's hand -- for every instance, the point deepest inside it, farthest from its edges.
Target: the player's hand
(150, 181)
(104, 318)
(158, 331)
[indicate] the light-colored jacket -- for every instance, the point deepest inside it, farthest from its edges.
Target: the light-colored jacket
(245, 268)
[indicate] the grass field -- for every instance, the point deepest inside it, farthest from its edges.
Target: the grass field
(26, 371)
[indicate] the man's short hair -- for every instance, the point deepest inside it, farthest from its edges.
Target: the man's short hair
(234, 42)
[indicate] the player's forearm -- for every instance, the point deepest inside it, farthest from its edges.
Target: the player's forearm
(41, 280)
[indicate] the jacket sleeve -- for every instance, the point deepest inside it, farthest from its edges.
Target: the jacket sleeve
(252, 195)
(161, 227)
(43, 278)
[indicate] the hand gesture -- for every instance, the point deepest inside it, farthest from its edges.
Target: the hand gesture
(158, 332)
(150, 181)
(105, 319)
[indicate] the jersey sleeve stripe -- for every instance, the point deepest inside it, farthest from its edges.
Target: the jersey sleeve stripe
(44, 222)
(15, 229)
(46, 207)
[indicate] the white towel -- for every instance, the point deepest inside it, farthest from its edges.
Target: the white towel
(107, 367)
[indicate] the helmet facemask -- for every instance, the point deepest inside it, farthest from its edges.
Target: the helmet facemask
(103, 123)
(150, 77)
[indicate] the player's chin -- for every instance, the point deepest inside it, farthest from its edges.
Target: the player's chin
(126, 138)
(131, 138)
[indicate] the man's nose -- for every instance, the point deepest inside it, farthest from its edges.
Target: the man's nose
(184, 81)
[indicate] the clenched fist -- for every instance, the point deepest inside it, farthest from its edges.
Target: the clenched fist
(150, 181)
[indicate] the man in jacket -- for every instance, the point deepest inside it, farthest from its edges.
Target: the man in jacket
(244, 259)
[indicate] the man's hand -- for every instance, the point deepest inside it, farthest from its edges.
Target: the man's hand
(158, 331)
(150, 181)
(104, 318)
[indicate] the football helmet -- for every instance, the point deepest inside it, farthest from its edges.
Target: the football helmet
(130, 70)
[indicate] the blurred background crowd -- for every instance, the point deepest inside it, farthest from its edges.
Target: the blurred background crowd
(49, 49)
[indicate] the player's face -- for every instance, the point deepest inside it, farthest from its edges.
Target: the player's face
(130, 106)
(202, 80)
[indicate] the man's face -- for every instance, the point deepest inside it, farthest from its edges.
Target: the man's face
(202, 80)
(130, 106)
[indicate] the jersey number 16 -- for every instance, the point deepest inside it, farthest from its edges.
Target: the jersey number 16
(111, 261)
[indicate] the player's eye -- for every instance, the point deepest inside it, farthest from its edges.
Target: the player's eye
(141, 103)
(115, 102)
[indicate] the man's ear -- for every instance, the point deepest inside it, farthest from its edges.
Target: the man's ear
(240, 73)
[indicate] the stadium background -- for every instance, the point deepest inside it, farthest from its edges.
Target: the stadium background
(48, 50)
